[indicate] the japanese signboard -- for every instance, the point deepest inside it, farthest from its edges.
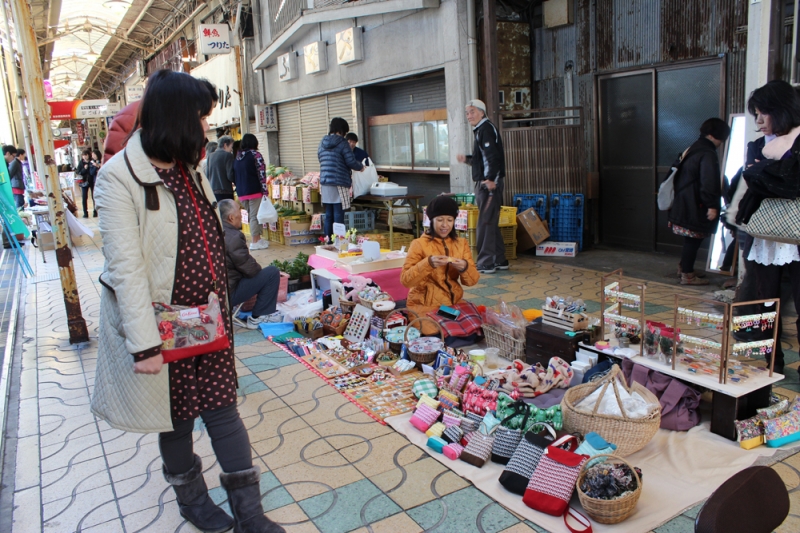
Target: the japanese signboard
(134, 93)
(214, 39)
(221, 71)
(78, 109)
(266, 118)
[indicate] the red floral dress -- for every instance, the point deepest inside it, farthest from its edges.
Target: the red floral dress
(205, 382)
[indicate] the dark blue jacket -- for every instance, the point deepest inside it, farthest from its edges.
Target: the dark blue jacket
(336, 159)
(247, 170)
(361, 155)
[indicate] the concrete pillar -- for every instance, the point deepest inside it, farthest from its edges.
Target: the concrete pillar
(763, 51)
(457, 87)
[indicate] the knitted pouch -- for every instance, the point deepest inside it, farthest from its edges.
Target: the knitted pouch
(523, 462)
(453, 451)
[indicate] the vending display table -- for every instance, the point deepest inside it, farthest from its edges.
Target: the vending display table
(731, 402)
(389, 280)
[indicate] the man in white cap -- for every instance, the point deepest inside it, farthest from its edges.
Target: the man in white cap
(488, 170)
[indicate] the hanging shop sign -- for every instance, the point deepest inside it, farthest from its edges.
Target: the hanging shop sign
(221, 71)
(134, 93)
(78, 109)
(287, 67)
(266, 117)
(316, 57)
(349, 48)
(81, 131)
(215, 39)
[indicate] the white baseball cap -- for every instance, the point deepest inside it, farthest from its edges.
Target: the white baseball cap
(477, 104)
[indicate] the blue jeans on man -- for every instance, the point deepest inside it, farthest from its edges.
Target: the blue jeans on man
(265, 285)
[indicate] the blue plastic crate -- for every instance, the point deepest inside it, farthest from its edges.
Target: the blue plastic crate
(537, 201)
(566, 218)
(360, 220)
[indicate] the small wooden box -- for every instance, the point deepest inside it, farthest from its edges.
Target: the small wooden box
(566, 321)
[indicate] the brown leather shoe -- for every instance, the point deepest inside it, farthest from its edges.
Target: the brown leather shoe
(691, 279)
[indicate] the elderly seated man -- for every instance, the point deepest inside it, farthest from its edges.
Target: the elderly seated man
(246, 278)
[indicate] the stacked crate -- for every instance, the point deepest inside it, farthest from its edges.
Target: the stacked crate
(508, 229)
(566, 218)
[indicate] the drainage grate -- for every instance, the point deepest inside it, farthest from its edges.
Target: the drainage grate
(46, 277)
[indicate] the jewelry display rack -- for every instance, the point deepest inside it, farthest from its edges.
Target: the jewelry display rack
(706, 350)
(613, 285)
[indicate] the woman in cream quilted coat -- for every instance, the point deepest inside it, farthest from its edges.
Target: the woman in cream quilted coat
(163, 242)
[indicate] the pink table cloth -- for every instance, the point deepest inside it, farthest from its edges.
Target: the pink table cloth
(389, 280)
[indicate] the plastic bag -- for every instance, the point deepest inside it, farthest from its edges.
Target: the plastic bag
(508, 318)
(634, 404)
(267, 213)
(362, 181)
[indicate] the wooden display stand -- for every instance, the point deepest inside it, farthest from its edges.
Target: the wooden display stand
(564, 320)
(612, 293)
(724, 324)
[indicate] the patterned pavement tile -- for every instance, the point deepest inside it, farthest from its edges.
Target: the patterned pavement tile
(418, 483)
(316, 475)
(348, 507)
(464, 511)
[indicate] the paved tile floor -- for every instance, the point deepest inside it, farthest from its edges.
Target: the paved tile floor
(326, 466)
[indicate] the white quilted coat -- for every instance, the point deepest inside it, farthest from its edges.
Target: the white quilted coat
(140, 246)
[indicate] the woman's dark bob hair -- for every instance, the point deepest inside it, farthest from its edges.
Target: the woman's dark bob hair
(249, 142)
(778, 100)
(170, 114)
(338, 125)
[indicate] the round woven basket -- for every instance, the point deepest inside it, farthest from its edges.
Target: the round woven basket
(368, 303)
(629, 434)
(347, 307)
(422, 358)
(397, 347)
(609, 511)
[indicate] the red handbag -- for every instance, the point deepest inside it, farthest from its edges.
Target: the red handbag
(553, 481)
(191, 331)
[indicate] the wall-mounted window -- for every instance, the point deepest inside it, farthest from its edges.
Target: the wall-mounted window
(410, 141)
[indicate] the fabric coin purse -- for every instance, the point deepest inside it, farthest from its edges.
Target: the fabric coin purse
(428, 400)
(782, 430)
(507, 439)
(775, 410)
(593, 445)
(436, 444)
(453, 434)
(436, 430)
(750, 432)
(425, 386)
(453, 451)
(424, 417)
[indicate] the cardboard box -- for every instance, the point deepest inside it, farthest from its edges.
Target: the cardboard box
(557, 249)
(46, 240)
(531, 230)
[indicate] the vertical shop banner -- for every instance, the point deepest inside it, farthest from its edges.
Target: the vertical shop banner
(316, 222)
(7, 205)
(221, 71)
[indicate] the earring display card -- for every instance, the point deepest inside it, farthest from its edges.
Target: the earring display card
(358, 327)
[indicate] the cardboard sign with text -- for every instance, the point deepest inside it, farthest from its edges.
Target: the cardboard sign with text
(557, 249)
(531, 230)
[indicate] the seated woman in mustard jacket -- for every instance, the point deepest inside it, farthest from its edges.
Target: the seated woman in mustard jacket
(438, 263)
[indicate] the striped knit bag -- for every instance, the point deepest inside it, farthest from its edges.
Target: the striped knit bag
(553, 481)
(520, 467)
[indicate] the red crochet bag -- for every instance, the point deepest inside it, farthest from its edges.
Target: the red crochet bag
(553, 481)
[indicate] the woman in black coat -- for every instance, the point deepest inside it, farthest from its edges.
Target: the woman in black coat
(694, 214)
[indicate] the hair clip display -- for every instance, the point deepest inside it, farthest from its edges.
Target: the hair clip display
(753, 348)
(624, 326)
(701, 319)
(764, 321)
(625, 299)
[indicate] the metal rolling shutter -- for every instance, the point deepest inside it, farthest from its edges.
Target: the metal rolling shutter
(341, 105)
(314, 120)
(289, 135)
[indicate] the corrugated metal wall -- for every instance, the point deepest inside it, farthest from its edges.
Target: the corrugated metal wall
(612, 35)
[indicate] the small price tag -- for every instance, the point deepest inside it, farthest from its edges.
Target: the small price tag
(188, 314)
(316, 222)
(285, 193)
(306, 195)
(339, 229)
(276, 192)
(273, 226)
(293, 193)
(287, 228)
(245, 217)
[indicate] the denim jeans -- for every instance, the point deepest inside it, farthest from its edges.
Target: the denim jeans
(333, 213)
(265, 285)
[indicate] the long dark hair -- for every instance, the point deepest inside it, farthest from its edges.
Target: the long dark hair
(170, 114)
(780, 101)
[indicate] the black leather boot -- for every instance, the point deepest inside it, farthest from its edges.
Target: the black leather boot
(193, 501)
(244, 497)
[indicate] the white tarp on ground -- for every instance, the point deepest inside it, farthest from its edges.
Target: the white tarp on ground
(679, 470)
